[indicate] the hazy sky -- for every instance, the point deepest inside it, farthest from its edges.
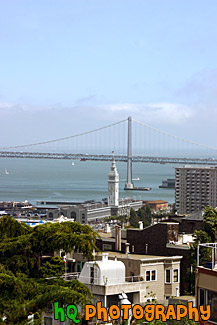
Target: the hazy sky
(67, 66)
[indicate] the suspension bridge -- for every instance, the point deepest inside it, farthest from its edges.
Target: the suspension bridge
(128, 140)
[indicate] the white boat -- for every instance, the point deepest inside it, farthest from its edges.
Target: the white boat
(73, 164)
(133, 179)
(6, 172)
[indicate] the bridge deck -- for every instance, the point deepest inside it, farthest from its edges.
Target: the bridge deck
(84, 157)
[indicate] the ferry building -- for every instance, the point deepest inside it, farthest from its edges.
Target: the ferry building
(94, 211)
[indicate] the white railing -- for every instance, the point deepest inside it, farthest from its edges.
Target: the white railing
(105, 280)
(211, 262)
(96, 280)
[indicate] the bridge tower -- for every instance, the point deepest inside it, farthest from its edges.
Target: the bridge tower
(129, 185)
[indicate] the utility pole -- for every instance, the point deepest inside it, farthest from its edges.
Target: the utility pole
(129, 185)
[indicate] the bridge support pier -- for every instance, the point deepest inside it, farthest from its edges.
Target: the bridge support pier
(129, 185)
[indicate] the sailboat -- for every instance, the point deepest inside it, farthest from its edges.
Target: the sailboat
(73, 164)
(6, 172)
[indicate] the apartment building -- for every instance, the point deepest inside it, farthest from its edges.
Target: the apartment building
(143, 278)
(195, 188)
(112, 276)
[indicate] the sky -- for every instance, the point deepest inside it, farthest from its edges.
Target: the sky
(67, 66)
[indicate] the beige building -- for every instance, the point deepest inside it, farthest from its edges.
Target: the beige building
(145, 278)
(195, 188)
(157, 204)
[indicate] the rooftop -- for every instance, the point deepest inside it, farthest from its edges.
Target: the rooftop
(138, 256)
(196, 167)
(195, 216)
(156, 224)
(105, 234)
(155, 201)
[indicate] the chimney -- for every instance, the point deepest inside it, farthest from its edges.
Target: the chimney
(140, 225)
(118, 238)
(177, 292)
(104, 257)
(146, 249)
(107, 228)
(127, 248)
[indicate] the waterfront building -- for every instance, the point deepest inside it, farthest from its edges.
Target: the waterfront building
(195, 188)
(95, 211)
(169, 183)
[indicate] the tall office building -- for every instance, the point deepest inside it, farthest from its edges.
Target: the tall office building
(195, 188)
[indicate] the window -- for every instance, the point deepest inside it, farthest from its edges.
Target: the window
(73, 215)
(79, 266)
(201, 297)
(106, 247)
(50, 216)
(151, 299)
(175, 275)
(92, 274)
(48, 321)
(167, 276)
(151, 275)
(212, 301)
(148, 276)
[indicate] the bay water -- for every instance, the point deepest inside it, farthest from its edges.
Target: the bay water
(66, 180)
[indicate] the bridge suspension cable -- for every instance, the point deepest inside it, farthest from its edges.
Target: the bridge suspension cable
(175, 136)
(146, 141)
(65, 138)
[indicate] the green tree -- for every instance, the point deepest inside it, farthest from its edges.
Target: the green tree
(53, 268)
(141, 214)
(144, 214)
(148, 214)
(210, 218)
(134, 219)
(24, 285)
(23, 253)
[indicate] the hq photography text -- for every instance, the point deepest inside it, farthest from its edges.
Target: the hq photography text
(148, 312)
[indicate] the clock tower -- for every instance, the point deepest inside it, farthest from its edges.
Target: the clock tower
(113, 185)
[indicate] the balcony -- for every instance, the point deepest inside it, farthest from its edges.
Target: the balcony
(207, 256)
(206, 278)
